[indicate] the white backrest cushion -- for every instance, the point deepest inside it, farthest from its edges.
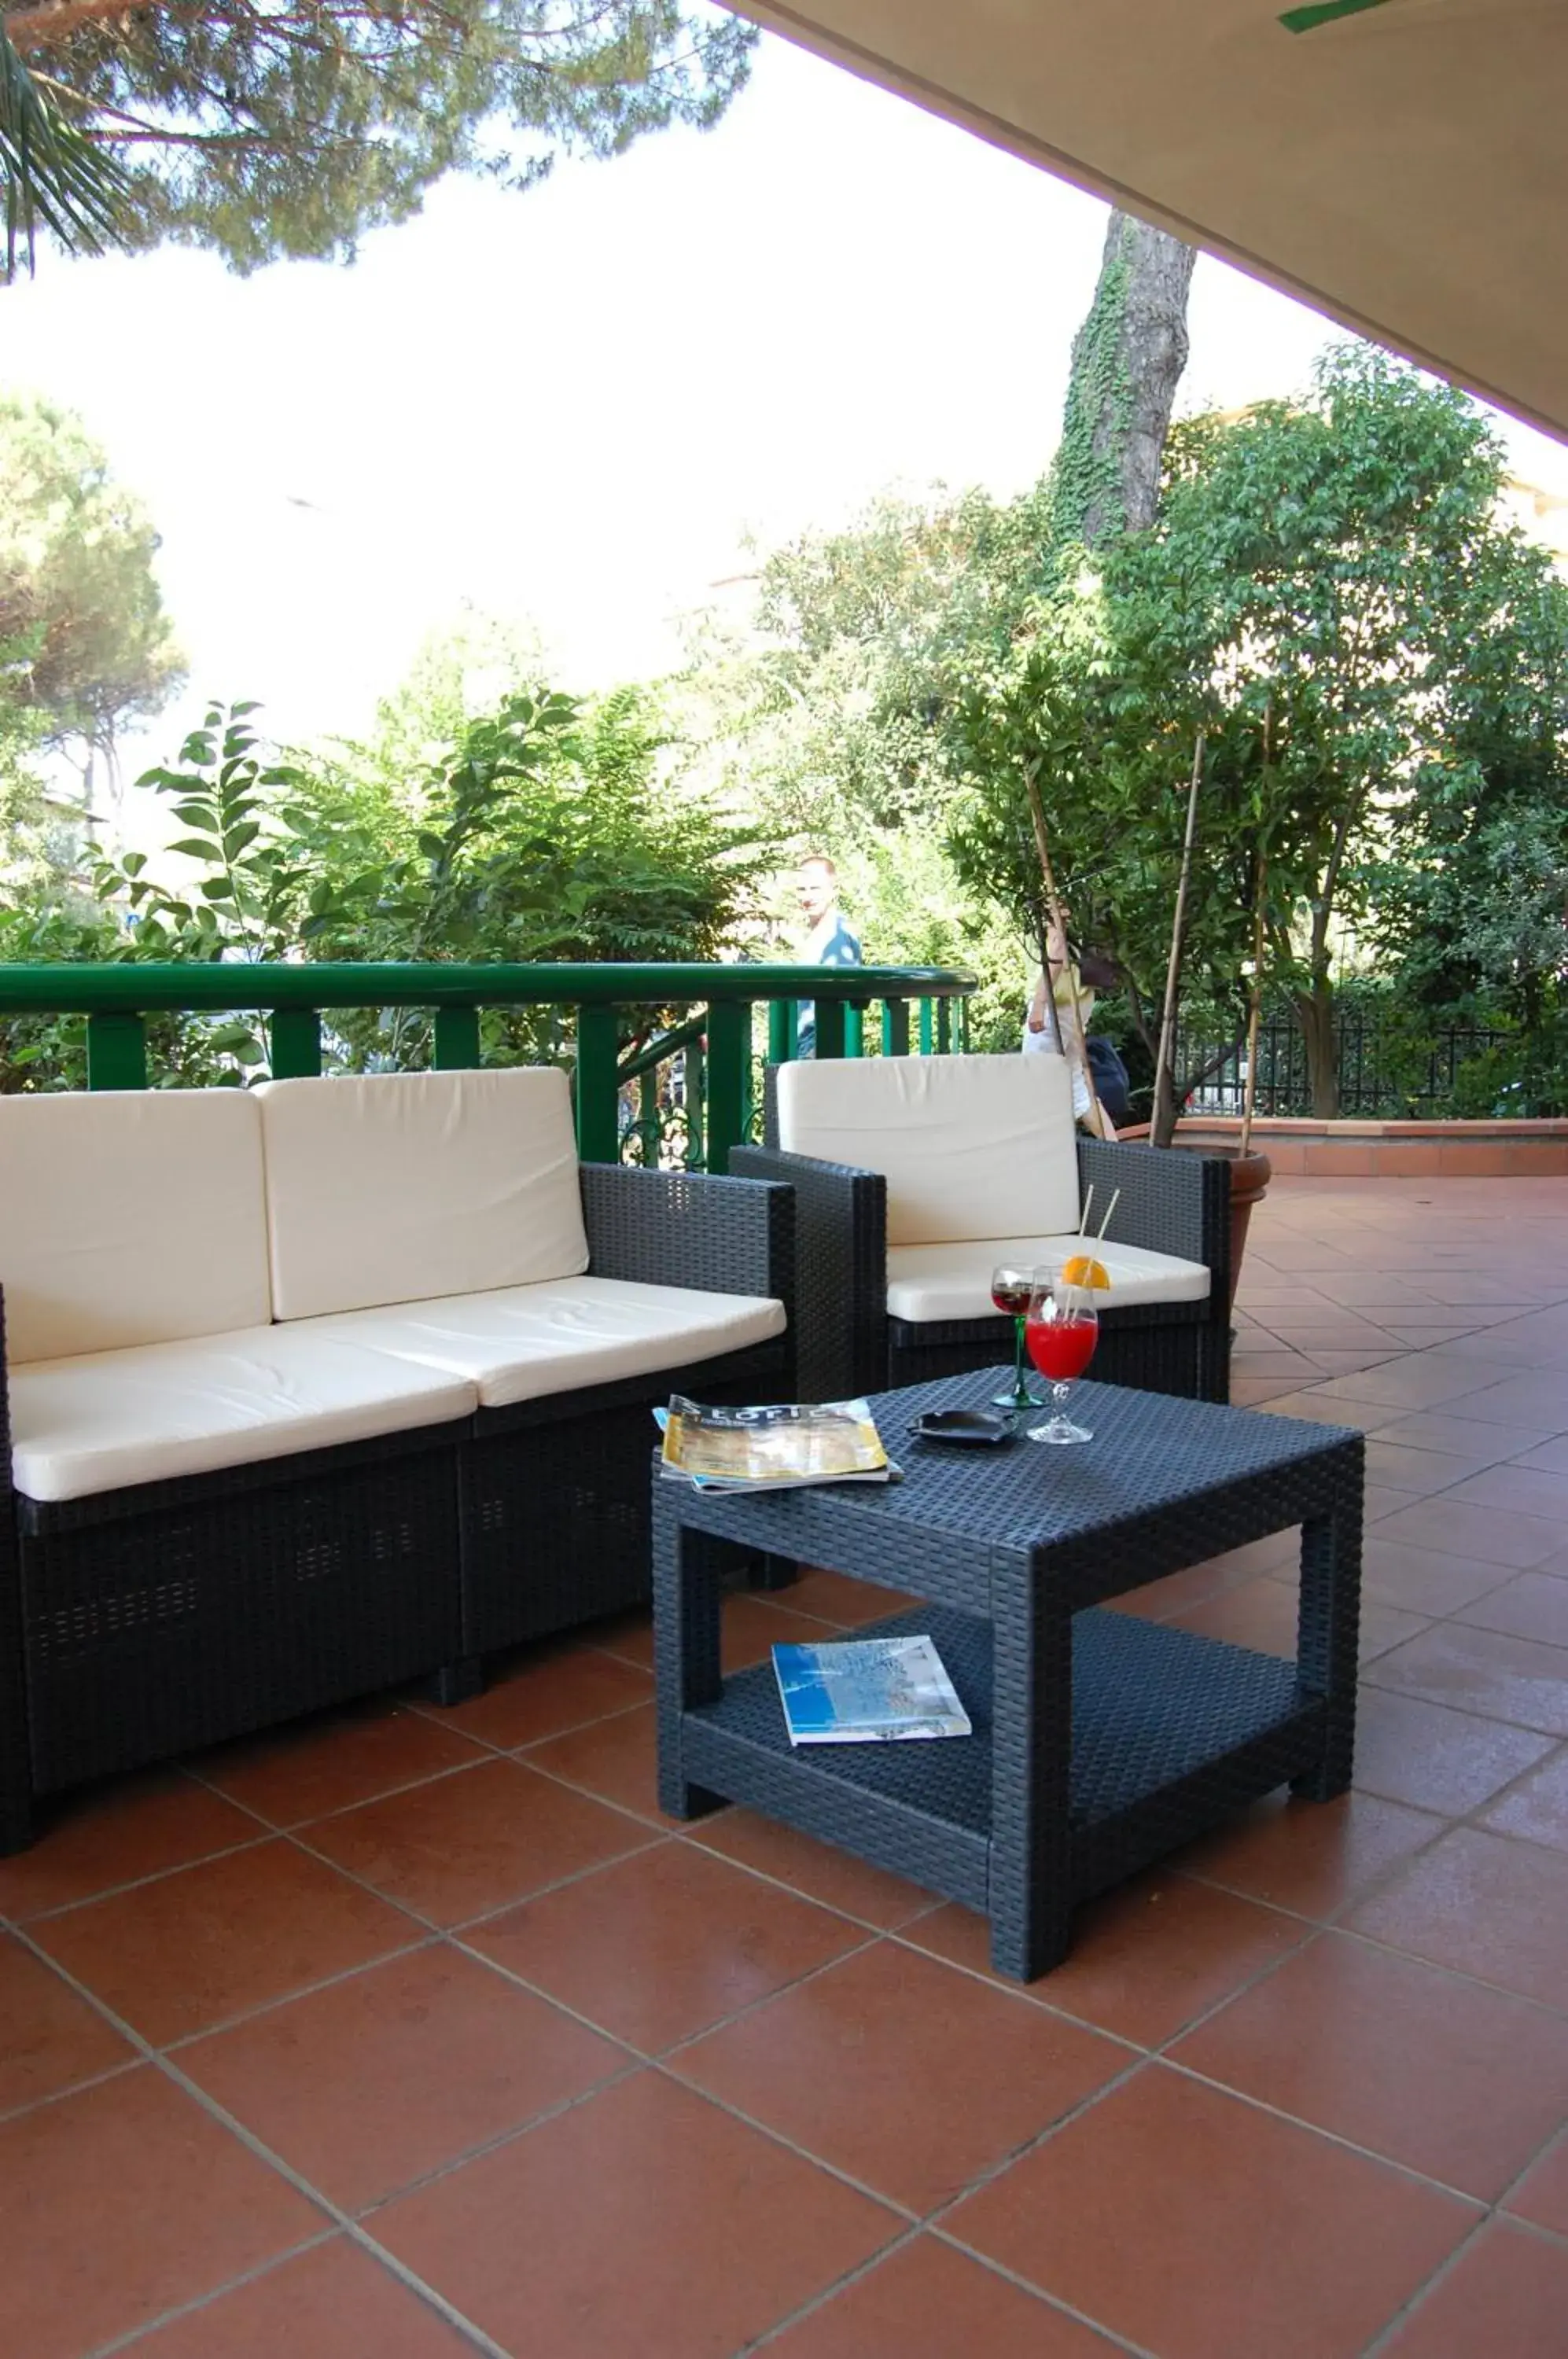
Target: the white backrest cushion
(130, 1216)
(971, 1146)
(399, 1187)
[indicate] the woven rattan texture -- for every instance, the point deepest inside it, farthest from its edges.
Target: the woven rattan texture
(841, 1228)
(681, 1228)
(1102, 1744)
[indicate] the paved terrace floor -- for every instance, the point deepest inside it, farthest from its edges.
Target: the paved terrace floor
(415, 2034)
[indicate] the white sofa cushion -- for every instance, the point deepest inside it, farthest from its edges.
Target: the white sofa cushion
(410, 1187)
(954, 1281)
(85, 1425)
(129, 1216)
(971, 1146)
(529, 1341)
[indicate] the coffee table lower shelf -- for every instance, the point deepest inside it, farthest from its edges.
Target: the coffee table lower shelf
(1171, 1734)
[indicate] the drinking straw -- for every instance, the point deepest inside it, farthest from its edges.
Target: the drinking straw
(1110, 1207)
(1083, 1216)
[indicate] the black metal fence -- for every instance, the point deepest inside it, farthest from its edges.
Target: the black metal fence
(1384, 1072)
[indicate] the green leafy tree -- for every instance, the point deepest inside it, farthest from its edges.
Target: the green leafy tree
(267, 132)
(86, 643)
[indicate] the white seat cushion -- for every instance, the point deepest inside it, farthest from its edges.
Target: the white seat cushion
(971, 1146)
(927, 1282)
(408, 1187)
(129, 1216)
(91, 1424)
(529, 1340)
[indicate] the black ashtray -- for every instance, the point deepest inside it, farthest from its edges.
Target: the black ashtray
(986, 1426)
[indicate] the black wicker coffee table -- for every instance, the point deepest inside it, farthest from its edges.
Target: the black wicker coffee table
(1102, 1742)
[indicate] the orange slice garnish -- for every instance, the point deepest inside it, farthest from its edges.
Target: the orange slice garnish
(1083, 1270)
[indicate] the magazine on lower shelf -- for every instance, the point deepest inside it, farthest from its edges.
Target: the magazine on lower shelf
(867, 1691)
(783, 1446)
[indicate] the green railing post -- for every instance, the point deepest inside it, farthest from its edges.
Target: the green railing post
(925, 1028)
(295, 1038)
(944, 1028)
(648, 1124)
(830, 1028)
(855, 1028)
(729, 1078)
(782, 1016)
(117, 1051)
(696, 1082)
(598, 1132)
(894, 1027)
(457, 1039)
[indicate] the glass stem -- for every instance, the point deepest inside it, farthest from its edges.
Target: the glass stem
(1020, 1391)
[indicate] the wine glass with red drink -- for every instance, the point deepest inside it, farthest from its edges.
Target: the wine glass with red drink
(1011, 1288)
(1062, 1330)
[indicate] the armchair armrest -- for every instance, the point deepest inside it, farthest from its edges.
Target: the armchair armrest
(841, 1232)
(15, 1778)
(686, 1228)
(1171, 1202)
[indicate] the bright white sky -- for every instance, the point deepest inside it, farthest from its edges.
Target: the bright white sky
(570, 407)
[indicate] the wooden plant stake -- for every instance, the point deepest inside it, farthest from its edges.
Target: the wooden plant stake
(1255, 1010)
(1053, 908)
(1174, 970)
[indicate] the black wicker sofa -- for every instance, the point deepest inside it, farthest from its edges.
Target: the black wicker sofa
(326, 1385)
(914, 1175)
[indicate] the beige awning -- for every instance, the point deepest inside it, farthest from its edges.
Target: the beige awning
(1403, 167)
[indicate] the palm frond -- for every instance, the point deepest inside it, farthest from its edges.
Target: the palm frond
(53, 176)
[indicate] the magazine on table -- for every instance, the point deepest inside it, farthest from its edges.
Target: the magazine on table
(867, 1691)
(780, 1448)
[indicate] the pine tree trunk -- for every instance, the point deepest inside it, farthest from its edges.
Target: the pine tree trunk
(1127, 359)
(1314, 1014)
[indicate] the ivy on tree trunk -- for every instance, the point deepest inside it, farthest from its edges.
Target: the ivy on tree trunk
(1127, 359)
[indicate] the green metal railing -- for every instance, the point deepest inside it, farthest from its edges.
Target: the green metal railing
(922, 1007)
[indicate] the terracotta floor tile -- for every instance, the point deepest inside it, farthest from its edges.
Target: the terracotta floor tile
(1312, 1857)
(113, 1834)
(1411, 1751)
(121, 2201)
(1145, 1959)
(476, 1841)
(366, 2086)
(1526, 1488)
(1200, 2227)
(542, 1691)
(1485, 1905)
(1481, 1671)
(834, 1598)
(836, 2065)
(331, 1762)
(656, 2225)
(657, 1947)
(306, 2307)
(1551, 1457)
(1424, 1579)
(1537, 1397)
(1542, 2194)
(1424, 1380)
(50, 2039)
(1461, 2083)
(615, 1759)
(818, 1869)
(926, 2301)
(1417, 1472)
(186, 1952)
(1532, 1605)
(1260, 1615)
(1452, 1434)
(1537, 1806)
(1508, 2293)
(1319, 1407)
(1489, 1535)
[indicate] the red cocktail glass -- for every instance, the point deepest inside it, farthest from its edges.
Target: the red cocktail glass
(1011, 1291)
(1062, 1331)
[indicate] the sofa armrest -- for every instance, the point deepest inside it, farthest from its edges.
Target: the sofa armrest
(841, 1244)
(684, 1228)
(15, 1777)
(1171, 1202)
